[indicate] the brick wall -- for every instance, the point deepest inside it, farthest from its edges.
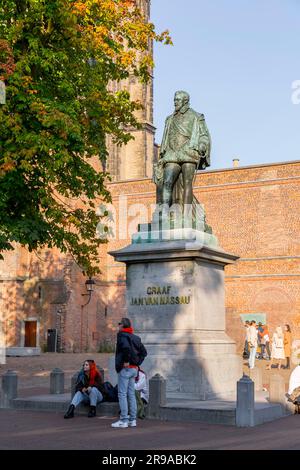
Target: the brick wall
(254, 212)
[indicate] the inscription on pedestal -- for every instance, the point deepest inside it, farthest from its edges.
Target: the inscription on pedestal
(160, 295)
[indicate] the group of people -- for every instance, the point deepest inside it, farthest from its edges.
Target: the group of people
(132, 380)
(258, 339)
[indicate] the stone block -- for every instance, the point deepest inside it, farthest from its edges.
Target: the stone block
(57, 381)
(9, 388)
(157, 395)
(245, 402)
(175, 299)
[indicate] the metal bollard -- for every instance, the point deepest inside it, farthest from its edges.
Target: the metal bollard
(157, 395)
(245, 402)
(57, 381)
(9, 388)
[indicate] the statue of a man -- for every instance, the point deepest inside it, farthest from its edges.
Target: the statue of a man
(185, 148)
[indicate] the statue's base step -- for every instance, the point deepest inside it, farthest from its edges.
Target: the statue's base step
(187, 234)
(219, 411)
(209, 411)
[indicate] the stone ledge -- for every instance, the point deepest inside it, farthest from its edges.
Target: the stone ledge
(60, 403)
(209, 411)
(22, 351)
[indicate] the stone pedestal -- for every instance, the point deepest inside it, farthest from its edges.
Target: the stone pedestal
(175, 299)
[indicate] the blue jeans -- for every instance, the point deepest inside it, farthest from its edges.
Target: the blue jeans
(252, 357)
(92, 398)
(126, 391)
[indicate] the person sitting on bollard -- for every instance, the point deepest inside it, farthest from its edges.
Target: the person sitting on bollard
(88, 389)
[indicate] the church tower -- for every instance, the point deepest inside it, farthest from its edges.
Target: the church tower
(135, 160)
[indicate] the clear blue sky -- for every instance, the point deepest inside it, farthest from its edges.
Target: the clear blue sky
(237, 59)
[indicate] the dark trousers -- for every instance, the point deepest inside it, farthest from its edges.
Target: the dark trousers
(263, 348)
(246, 352)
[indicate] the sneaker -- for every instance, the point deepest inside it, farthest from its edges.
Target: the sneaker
(132, 424)
(120, 424)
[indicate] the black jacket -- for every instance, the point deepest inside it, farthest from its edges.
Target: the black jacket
(83, 382)
(124, 351)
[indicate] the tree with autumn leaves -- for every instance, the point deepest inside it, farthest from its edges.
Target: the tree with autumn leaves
(57, 59)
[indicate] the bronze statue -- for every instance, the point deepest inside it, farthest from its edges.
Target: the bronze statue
(185, 148)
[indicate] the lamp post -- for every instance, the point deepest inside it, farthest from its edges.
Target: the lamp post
(89, 284)
(2, 92)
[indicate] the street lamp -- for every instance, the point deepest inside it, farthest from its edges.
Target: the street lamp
(89, 284)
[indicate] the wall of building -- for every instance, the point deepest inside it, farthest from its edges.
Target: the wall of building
(254, 212)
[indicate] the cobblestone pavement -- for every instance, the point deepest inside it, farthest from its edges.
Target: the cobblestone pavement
(43, 430)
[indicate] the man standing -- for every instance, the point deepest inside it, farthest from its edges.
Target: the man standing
(130, 353)
(252, 344)
(185, 148)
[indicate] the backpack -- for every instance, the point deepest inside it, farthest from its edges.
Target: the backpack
(110, 392)
(140, 412)
(138, 350)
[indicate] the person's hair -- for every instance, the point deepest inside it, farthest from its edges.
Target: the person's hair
(247, 321)
(90, 361)
(253, 321)
(288, 327)
(184, 94)
(93, 370)
(126, 322)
